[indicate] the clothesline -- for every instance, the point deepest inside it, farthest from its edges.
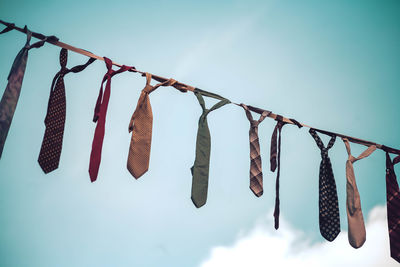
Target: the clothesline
(56, 42)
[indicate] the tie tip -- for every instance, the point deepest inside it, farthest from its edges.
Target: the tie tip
(93, 176)
(395, 256)
(198, 204)
(135, 173)
(329, 238)
(47, 169)
(257, 193)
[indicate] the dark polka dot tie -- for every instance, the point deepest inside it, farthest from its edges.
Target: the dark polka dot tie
(329, 220)
(49, 156)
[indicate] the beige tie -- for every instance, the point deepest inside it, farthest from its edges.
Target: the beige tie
(141, 125)
(355, 218)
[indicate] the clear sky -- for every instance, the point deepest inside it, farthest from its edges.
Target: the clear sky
(332, 65)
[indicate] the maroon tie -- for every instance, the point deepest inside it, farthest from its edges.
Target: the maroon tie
(393, 207)
(100, 112)
(49, 156)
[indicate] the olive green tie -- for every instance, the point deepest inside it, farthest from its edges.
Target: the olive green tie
(203, 146)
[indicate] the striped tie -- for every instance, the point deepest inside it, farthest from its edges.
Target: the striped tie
(393, 207)
(256, 175)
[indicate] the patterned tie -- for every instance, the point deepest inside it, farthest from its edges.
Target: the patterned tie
(49, 156)
(141, 125)
(100, 118)
(11, 94)
(275, 160)
(329, 220)
(256, 175)
(393, 207)
(355, 218)
(203, 146)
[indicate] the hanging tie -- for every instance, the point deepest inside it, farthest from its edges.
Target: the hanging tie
(11, 94)
(100, 117)
(141, 125)
(203, 146)
(49, 156)
(275, 160)
(329, 220)
(355, 218)
(393, 206)
(256, 175)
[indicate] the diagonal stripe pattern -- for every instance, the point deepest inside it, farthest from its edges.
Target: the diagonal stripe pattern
(256, 175)
(393, 207)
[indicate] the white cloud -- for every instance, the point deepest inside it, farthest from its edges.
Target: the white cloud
(263, 246)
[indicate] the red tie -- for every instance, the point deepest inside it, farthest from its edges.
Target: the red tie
(100, 112)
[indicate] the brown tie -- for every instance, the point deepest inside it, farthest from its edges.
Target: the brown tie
(141, 125)
(355, 218)
(256, 175)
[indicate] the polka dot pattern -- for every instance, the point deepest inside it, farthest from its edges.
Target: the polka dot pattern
(50, 151)
(329, 220)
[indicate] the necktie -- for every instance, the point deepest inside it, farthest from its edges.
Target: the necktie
(275, 160)
(355, 218)
(256, 175)
(203, 146)
(329, 220)
(141, 125)
(11, 94)
(49, 156)
(393, 207)
(100, 118)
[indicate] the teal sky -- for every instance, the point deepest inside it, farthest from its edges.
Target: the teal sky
(332, 65)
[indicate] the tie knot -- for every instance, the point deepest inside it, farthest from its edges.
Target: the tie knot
(324, 152)
(148, 88)
(254, 123)
(110, 71)
(352, 159)
(64, 70)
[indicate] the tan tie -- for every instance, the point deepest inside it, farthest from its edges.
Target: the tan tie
(355, 218)
(141, 125)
